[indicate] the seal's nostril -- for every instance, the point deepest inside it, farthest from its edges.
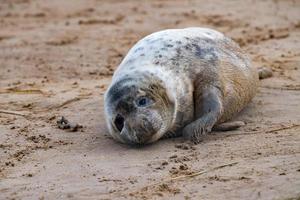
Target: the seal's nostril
(119, 122)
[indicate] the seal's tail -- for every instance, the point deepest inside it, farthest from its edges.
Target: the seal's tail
(228, 126)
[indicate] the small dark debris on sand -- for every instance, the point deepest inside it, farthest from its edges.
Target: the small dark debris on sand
(28, 175)
(185, 146)
(264, 72)
(63, 123)
(166, 188)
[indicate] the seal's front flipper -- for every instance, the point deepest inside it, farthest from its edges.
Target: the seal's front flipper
(170, 134)
(208, 108)
(228, 126)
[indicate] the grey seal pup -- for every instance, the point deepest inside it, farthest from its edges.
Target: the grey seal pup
(179, 82)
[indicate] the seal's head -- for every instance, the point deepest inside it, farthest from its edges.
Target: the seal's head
(138, 110)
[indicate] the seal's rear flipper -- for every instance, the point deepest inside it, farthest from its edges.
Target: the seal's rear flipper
(264, 72)
(228, 126)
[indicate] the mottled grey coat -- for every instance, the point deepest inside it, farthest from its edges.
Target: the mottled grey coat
(195, 77)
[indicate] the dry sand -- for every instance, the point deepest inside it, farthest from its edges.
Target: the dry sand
(57, 58)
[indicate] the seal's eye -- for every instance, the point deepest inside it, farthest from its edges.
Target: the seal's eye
(143, 101)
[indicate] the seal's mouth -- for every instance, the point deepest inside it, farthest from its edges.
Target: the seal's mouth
(137, 137)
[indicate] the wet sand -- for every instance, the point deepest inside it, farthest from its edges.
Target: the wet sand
(57, 58)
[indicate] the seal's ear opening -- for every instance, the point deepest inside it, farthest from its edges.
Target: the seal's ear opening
(119, 122)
